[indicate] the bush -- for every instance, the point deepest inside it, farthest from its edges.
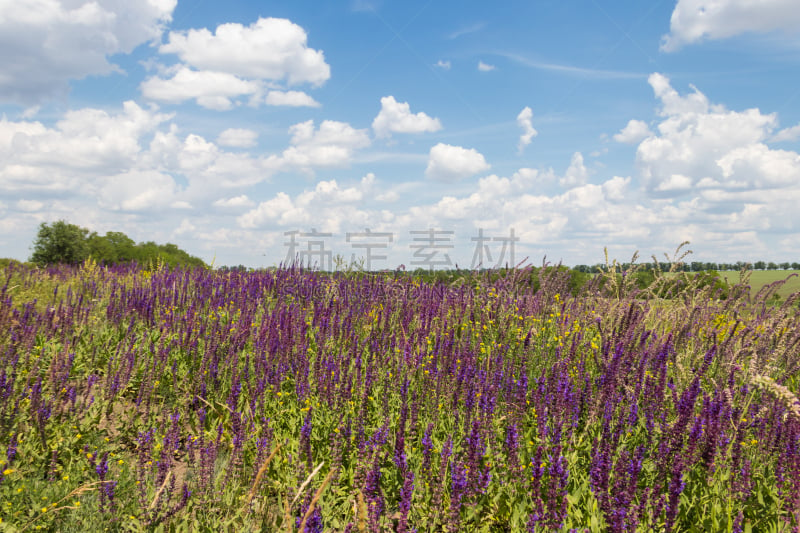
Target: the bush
(60, 242)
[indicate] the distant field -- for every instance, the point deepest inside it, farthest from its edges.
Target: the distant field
(759, 278)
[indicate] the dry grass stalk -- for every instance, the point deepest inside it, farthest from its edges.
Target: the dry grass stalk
(316, 498)
(78, 491)
(287, 517)
(160, 490)
(361, 519)
(782, 393)
(260, 474)
(306, 482)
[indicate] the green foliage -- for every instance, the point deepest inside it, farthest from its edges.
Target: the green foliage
(60, 242)
(179, 387)
(150, 253)
(5, 262)
(64, 243)
(114, 247)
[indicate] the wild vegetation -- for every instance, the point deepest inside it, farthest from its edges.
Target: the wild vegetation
(63, 243)
(294, 400)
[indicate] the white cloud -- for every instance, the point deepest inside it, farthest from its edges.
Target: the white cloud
(442, 64)
(616, 188)
(290, 99)
(396, 117)
(634, 132)
(577, 174)
(270, 49)
(130, 160)
(85, 142)
(138, 191)
(787, 134)
(29, 205)
(485, 67)
(328, 204)
(696, 20)
(585, 216)
(673, 103)
(758, 166)
(238, 138)
(331, 145)
(675, 182)
(207, 167)
(212, 90)
(699, 143)
(525, 121)
(450, 163)
(46, 43)
(238, 201)
(186, 226)
(30, 112)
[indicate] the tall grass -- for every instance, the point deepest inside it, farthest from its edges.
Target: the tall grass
(289, 400)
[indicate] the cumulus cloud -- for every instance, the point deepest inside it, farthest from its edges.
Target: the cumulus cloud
(328, 203)
(238, 138)
(698, 143)
(237, 201)
(577, 174)
(290, 99)
(485, 67)
(525, 121)
(787, 134)
(758, 166)
(237, 64)
(49, 42)
(85, 142)
(331, 145)
(134, 160)
(696, 20)
(582, 216)
(634, 132)
(30, 206)
(396, 117)
(212, 90)
(138, 190)
(451, 163)
(185, 227)
(442, 64)
(616, 188)
(270, 49)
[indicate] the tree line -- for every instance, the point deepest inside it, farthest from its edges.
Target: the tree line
(695, 266)
(65, 243)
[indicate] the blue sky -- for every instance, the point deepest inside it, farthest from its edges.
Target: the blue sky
(233, 129)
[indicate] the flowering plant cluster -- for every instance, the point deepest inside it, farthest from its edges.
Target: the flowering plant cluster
(294, 400)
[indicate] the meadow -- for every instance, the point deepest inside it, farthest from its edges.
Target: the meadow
(293, 400)
(758, 279)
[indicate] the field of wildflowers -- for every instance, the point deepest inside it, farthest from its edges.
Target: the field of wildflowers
(294, 400)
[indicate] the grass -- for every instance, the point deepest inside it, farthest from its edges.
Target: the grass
(176, 400)
(761, 278)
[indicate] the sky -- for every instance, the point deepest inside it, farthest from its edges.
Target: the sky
(418, 133)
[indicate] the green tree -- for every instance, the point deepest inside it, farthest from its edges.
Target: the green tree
(114, 247)
(60, 242)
